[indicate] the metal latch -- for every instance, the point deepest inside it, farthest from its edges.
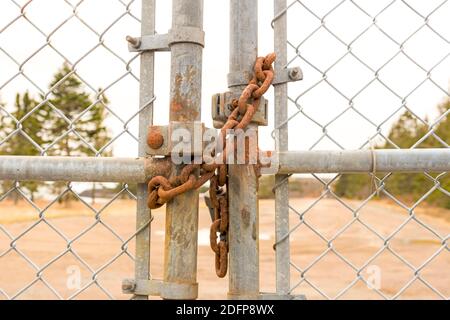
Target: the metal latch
(162, 42)
(162, 140)
(221, 108)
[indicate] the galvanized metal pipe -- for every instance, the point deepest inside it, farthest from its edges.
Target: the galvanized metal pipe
(282, 253)
(87, 169)
(180, 254)
(140, 170)
(358, 161)
(146, 93)
(243, 233)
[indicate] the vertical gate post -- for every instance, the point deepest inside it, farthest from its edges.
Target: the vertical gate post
(143, 214)
(180, 254)
(281, 144)
(242, 189)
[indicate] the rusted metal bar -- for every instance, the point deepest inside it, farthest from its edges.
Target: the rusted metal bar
(282, 253)
(243, 182)
(180, 254)
(146, 98)
(86, 169)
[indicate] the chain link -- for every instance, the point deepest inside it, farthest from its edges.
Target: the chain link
(161, 190)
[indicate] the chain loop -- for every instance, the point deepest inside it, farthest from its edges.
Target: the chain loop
(161, 190)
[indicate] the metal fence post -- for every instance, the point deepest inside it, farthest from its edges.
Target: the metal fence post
(281, 144)
(143, 214)
(243, 230)
(180, 255)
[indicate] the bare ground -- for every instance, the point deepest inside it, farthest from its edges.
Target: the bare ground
(358, 245)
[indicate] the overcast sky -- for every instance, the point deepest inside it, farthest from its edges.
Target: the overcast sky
(348, 81)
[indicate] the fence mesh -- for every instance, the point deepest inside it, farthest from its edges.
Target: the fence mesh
(367, 65)
(376, 75)
(42, 257)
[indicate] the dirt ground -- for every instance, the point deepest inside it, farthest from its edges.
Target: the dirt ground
(50, 261)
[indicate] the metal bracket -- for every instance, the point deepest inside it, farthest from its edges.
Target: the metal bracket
(165, 290)
(221, 109)
(162, 42)
(276, 296)
(281, 76)
(167, 139)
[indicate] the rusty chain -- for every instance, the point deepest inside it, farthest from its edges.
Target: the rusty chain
(161, 190)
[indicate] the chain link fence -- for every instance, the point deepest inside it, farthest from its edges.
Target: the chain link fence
(363, 236)
(46, 257)
(368, 68)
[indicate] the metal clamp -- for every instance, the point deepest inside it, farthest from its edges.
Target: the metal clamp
(221, 108)
(266, 296)
(186, 35)
(165, 290)
(277, 296)
(281, 76)
(163, 42)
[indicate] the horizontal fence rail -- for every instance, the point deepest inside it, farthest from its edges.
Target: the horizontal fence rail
(77, 169)
(140, 170)
(365, 161)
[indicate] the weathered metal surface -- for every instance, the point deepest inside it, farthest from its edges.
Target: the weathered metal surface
(378, 160)
(162, 140)
(278, 296)
(243, 232)
(180, 291)
(155, 139)
(153, 287)
(180, 254)
(149, 287)
(154, 42)
(186, 34)
(282, 247)
(282, 75)
(163, 42)
(133, 42)
(222, 107)
(140, 170)
(88, 169)
(242, 182)
(146, 98)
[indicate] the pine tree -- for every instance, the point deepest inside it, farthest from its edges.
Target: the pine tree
(405, 132)
(27, 140)
(81, 130)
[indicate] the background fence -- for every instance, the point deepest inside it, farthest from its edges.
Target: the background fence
(375, 76)
(376, 79)
(61, 51)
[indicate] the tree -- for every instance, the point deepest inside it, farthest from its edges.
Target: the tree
(27, 139)
(78, 128)
(405, 133)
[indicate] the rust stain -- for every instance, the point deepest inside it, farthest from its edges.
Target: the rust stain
(176, 107)
(154, 138)
(183, 90)
(245, 214)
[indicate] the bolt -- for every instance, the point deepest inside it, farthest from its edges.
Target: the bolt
(128, 285)
(134, 42)
(294, 74)
(155, 139)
